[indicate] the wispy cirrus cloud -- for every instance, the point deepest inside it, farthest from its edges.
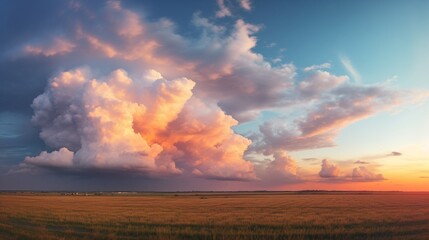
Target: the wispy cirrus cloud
(378, 156)
(347, 64)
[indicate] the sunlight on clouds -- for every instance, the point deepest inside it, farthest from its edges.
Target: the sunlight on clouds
(58, 46)
(120, 114)
(223, 11)
(143, 125)
(245, 4)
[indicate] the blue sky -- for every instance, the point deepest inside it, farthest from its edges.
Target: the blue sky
(336, 80)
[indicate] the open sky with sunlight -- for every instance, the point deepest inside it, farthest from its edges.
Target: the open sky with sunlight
(214, 95)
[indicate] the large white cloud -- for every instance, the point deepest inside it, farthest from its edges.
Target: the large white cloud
(150, 125)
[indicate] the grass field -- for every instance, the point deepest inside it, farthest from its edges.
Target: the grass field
(302, 215)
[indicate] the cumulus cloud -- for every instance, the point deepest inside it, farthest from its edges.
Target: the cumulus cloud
(320, 82)
(275, 135)
(226, 68)
(282, 168)
(246, 5)
(149, 125)
(135, 119)
(223, 11)
(62, 158)
(329, 170)
(361, 173)
(339, 105)
(351, 103)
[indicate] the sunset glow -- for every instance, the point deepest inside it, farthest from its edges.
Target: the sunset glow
(214, 95)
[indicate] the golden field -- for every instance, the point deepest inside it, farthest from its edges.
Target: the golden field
(241, 215)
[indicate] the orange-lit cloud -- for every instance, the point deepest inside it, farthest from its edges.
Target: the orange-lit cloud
(57, 46)
(329, 170)
(120, 114)
(150, 125)
(282, 169)
(332, 172)
(361, 173)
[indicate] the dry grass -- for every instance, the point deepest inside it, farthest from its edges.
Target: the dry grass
(216, 216)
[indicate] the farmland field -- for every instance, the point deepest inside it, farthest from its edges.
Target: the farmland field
(241, 215)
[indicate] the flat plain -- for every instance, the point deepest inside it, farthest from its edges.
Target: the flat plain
(215, 215)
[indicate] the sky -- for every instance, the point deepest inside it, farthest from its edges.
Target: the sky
(214, 95)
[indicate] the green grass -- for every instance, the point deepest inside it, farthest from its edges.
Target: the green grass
(216, 216)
